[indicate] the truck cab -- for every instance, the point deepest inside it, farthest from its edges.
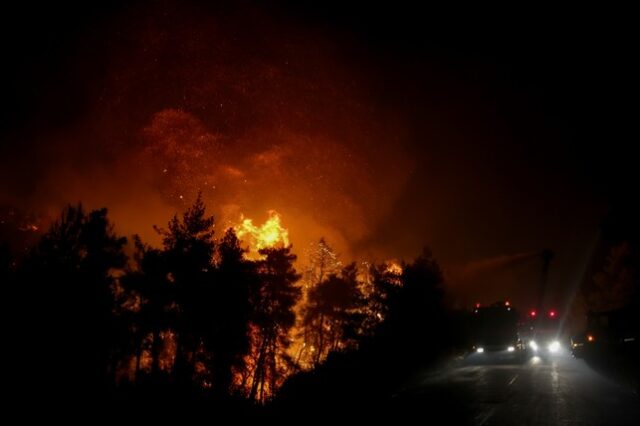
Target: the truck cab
(495, 330)
(543, 334)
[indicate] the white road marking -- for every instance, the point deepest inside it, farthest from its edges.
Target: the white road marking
(486, 417)
(512, 380)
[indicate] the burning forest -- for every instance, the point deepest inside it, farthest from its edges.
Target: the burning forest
(226, 314)
(233, 204)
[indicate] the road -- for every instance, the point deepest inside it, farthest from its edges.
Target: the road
(537, 391)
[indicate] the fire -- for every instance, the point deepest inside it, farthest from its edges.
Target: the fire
(270, 234)
(393, 272)
(393, 268)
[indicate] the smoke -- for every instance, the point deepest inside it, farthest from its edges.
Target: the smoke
(483, 266)
(254, 112)
(513, 277)
(378, 145)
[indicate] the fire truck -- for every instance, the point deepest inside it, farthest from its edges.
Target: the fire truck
(542, 332)
(541, 328)
(495, 330)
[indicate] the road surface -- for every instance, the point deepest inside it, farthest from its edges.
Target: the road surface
(537, 391)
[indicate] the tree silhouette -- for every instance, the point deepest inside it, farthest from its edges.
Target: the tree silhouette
(150, 300)
(617, 285)
(407, 331)
(385, 284)
(272, 318)
(353, 304)
(188, 252)
(333, 313)
(229, 311)
(322, 261)
(69, 278)
(414, 325)
(616, 279)
(196, 314)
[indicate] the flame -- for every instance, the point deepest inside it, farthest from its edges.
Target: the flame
(393, 268)
(270, 234)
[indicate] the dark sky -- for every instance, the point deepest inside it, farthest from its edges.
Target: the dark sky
(484, 134)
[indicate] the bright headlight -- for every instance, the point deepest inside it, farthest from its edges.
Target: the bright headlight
(511, 349)
(533, 345)
(480, 350)
(554, 346)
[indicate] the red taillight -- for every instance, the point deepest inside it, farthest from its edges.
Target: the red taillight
(552, 314)
(477, 305)
(532, 313)
(590, 338)
(506, 303)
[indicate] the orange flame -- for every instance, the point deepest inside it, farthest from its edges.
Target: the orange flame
(270, 234)
(393, 268)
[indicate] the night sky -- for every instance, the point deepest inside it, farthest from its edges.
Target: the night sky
(384, 129)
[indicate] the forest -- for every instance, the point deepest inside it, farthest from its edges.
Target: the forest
(204, 318)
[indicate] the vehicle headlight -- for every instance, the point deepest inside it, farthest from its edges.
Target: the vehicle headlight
(511, 349)
(554, 346)
(480, 350)
(533, 345)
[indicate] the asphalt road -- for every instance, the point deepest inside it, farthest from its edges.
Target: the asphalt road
(559, 390)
